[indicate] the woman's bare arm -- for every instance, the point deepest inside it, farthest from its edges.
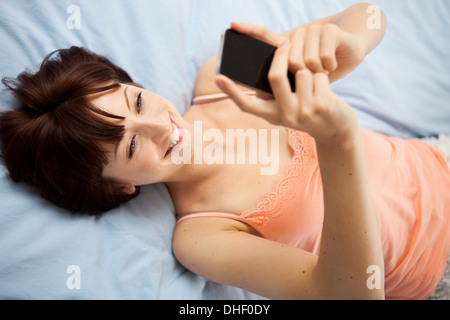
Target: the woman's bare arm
(229, 252)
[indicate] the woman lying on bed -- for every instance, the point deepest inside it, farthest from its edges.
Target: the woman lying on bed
(371, 223)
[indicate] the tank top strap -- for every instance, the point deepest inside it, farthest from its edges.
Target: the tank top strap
(215, 97)
(215, 214)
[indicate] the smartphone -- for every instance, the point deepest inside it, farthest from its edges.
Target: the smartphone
(247, 61)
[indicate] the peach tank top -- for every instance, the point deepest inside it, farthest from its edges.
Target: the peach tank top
(410, 183)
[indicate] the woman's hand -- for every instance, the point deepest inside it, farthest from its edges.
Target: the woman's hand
(313, 107)
(317, 47)
(325, 48)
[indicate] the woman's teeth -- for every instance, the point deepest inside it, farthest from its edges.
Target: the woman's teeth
(175, 137)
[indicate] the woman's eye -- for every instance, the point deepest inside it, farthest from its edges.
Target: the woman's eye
(139, 102)
(132, 147)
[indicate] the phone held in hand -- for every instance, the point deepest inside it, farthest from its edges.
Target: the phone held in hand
(247, 61)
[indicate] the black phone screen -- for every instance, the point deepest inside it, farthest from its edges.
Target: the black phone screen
(247, 61)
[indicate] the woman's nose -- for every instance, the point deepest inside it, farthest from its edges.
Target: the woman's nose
(156, 129)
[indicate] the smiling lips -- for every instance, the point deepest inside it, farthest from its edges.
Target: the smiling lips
(175, 138)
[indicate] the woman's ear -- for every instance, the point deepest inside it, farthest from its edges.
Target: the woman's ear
(128, 189)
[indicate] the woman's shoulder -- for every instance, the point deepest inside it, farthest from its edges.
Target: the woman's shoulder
(205, 81)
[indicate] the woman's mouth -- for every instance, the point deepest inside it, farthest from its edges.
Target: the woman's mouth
(175, 138)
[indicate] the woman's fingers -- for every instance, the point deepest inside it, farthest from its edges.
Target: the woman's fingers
(259, 32)
(296, 61)
(311, 55)
(281, 87)
(328, 45)
(278, 72)
(232, 90)
(312, 49)
(321, 84)
(304, 83)
(245, 102)
(322, 91)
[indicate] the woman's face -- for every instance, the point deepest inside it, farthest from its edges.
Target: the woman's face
(152, 127)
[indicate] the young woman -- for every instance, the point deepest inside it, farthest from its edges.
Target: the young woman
(349, 214)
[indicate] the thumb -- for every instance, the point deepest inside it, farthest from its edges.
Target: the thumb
(255, 105)
(232, 90)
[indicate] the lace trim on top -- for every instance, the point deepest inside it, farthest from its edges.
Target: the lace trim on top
(270, 204)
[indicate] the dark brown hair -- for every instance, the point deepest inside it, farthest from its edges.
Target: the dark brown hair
(56, 139)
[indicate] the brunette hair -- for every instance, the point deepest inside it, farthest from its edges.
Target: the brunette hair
(56, 139)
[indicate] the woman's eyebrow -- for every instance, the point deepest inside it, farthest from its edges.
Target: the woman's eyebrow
(126, 98)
